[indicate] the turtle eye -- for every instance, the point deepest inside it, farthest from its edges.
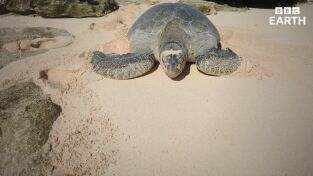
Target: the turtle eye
(165, 59)
(179, 58)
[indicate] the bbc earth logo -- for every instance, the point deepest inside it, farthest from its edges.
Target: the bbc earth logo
(287, 16)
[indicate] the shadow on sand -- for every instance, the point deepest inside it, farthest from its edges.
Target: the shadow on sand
(184, 73)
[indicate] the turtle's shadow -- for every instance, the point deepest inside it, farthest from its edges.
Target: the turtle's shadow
(153, 69)
(184, 73)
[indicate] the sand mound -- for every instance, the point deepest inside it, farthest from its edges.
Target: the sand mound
(37, 44)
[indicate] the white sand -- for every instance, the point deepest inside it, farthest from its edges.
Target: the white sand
(257, 121)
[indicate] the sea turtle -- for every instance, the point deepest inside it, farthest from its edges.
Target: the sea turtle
(170, 34)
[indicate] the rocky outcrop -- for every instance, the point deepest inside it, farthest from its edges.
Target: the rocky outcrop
(75, 8)
(211, 8)
(3, 9)
(126, 2)
(62, 8)
(21, 6)
(18, 43)
(26, 118)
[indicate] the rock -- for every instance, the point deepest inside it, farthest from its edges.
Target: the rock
(62, 8)
(303, 1)
(75, 8)
(21, 6)
(126, 2)
(26, 118)
(19, 43)
(3, 9)
(211, 8)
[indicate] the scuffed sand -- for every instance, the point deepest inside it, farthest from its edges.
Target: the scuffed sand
(257, 121)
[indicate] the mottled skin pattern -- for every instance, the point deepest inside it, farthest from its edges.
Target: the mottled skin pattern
(125, 66)
(221, 62)
(170, 34)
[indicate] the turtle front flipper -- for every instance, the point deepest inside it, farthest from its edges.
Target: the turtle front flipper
(218, 62)
(125, 66)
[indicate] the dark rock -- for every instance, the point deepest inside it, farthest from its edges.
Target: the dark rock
(21, 6)
(75, 8)
(26, 118)
(3, 9)
(126, 2)
(11, 35)
(211, 8)
(62, 8)
(262, 3)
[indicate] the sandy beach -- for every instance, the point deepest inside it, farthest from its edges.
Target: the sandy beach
(257, 121)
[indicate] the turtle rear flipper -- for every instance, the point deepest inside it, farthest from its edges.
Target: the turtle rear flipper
(125, 66)
(218, 62)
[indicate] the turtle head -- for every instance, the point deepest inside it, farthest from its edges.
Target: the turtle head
(173, 58)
